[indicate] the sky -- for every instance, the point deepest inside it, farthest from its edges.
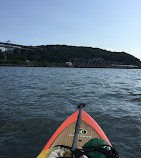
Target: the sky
(113, 25)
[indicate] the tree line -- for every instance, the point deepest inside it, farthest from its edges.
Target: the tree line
(59, 54)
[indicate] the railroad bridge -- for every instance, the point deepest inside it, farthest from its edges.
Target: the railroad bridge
(95, 62)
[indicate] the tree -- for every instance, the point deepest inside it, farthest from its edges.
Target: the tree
(1, 55)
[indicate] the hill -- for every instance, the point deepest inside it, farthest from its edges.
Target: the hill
(48, 55)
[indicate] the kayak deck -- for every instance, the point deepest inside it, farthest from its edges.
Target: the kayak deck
(64, 135)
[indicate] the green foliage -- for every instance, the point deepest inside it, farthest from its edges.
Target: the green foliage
(58, 54)
(1, 55)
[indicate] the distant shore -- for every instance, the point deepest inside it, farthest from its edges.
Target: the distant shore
(21, 65)
(63, 66)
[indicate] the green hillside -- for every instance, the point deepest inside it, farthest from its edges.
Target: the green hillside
(47, 55)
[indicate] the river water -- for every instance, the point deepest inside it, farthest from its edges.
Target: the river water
(35, 101)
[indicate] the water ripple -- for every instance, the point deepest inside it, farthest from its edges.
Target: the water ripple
(35, 101)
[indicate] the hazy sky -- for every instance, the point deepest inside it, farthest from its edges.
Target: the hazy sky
(109, 24)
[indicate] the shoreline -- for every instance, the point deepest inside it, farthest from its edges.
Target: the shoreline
(61, 66)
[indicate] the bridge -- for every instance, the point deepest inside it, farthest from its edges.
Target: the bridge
(95, 62)
(8, 46)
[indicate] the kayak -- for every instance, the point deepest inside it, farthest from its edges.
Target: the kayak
(74, 132)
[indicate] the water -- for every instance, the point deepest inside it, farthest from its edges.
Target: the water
(35, 101)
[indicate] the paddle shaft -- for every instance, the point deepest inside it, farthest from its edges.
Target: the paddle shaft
(77, 127)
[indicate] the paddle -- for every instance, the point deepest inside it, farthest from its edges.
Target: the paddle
(77, 127)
